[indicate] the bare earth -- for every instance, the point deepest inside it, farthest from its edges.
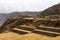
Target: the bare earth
(30, 36)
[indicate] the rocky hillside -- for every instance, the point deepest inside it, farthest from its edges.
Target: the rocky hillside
(4, 16)
(54, 10)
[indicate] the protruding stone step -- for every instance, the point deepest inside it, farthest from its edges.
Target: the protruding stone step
(19, 32)
(49, 29)
(26, 28)
(45, 33)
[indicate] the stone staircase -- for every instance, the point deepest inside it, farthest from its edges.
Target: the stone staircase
(47, 31)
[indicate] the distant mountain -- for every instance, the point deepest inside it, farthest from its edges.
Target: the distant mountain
(3, 18)
(54, 10)
(33, 14)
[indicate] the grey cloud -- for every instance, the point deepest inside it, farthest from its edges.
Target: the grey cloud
(25, 5)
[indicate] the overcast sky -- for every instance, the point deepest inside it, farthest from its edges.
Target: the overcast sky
(25, 5)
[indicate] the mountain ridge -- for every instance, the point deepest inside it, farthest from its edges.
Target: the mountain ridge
(53, 10)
